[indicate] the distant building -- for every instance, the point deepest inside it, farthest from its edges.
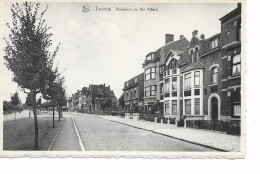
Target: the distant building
(93, 98)
(134, 92)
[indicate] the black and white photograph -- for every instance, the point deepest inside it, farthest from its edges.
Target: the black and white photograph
(123, 79)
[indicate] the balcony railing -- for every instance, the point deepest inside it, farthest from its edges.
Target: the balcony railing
(171, 72)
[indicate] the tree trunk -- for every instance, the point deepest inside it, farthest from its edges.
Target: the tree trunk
(14, 112)
(53, 116)
(59, 112)
(35, 120)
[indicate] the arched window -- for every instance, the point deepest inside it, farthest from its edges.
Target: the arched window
(196, 54)
(191, 56)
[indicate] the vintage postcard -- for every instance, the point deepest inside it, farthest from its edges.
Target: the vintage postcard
(148, 79)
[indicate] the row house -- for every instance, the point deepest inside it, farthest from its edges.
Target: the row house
(134, 92)
(231, 62)
(200, 78)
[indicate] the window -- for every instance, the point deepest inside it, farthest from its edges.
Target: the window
(131, 95)
(187, 80)
(197, 106)
(237, 109)
(126, 96)
(150, 73)
(174, 107)
(150, 91)
(197, 78)
(174, 83)
(167, 108)
(196, 56)
(147, 91)
(127, 84)
(191, 56)
(161, 69)
(135, 80)
(161, 88)
(214, 75)
(150, 57)
(187, 93)
(153, 90)
(135, 93)
(188, 107)
(236, 65)
(214, 43)
(197, 91)
(167, 85)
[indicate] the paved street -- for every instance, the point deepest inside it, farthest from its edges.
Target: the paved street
(97, 134)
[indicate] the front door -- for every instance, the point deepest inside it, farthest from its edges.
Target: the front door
(214, 108)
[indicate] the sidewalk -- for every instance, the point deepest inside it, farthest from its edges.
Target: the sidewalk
(66, 139)
(220, 141)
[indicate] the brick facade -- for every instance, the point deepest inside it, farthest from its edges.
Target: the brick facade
(134, 92)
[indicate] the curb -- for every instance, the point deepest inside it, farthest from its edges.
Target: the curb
(203, 145)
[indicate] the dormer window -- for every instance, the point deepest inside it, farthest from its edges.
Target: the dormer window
(214, 43)
(135, 80)
(127, 84)
(150, 57)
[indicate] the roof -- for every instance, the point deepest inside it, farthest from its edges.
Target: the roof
(178, 46)
(132, 83)
(195, 65)
(231, 14)
(156, 57)
(205, 48)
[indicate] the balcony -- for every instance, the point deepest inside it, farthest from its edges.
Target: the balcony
(171, 72)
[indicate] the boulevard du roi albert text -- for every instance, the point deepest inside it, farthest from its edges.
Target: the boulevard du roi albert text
(97, 8)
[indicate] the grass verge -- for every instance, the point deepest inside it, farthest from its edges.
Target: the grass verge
(19, 134)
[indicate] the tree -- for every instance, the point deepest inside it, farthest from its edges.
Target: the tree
(29, 103)
(121, 101)
(15, 101)
(27, 53)
(39, 103)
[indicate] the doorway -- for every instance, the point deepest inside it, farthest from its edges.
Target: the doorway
(214, 108)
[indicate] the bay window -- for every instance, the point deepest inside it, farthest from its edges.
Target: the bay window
(167, 85)
(150, 73)
(174, 107)
(197, 106)
(197, 78)
(187, 80)
(188, 107)
(167, 108)
(174, 83)
(150, 90)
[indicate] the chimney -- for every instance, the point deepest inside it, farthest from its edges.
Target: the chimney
(239, 5)
(169, 38)
(202, 36)
(104, 85)
(181, 36)
(194, 33)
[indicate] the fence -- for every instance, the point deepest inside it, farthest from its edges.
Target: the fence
(231, 127)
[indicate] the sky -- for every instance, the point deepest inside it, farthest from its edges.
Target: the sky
(109, 47)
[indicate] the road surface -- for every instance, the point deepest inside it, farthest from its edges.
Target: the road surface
(90, 133)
